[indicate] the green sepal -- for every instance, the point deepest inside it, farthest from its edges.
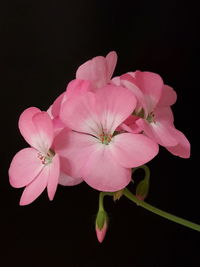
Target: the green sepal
(118, 194)
(101, 219)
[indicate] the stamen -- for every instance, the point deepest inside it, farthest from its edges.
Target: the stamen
(46, 159)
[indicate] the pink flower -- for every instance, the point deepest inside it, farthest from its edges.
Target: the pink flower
(38, 166)
(154, 101)
(98, 70)
(93, 150)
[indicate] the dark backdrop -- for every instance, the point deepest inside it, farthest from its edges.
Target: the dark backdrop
(42, 44)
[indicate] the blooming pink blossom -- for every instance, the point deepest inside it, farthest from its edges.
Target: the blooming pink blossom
(97, 131)
(155, 116)
(38, 166)
(95, 153)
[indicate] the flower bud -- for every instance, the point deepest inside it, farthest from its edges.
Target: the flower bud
(142, 189)
(101, 225)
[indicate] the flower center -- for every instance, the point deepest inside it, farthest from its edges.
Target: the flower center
(151, 117)
(105, 138)
(46, 159)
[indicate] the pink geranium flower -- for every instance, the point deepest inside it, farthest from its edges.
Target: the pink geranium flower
(154, 101)
(38, 166)
(93, 150)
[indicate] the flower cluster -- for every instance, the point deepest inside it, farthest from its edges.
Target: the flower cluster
(96, 131)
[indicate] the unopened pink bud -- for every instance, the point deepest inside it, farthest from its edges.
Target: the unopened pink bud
(101, 232)
(142, 189)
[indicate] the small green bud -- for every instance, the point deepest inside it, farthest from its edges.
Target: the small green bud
(142, 189)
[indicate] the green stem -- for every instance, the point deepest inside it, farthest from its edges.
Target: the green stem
(101, 197)
(157, 211)
(146, 169)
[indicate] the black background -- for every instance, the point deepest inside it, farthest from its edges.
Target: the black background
(42, 44)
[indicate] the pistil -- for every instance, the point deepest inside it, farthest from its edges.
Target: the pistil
(151, 117)
(105, 138)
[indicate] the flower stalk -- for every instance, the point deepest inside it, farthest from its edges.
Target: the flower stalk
(142, 188)
(160, 212)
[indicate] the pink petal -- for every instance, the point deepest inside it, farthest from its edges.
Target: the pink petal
(49, 111)
(55, 111)
(151, 85)
(168, 97)
(129, 82)
(36, 128)
(98, 70)
(65, 179)
(75, 148)
(160, 132)
(54, 174)
(133, 150)
(116, 81)
(103, 172)
(164, 114)
(43, 137)
(135, 129)
(182, 149)
(78, 113)
(26, 126)
(58, 125)
(24, 167)
(77, 87)
(94, 70)
(129, 125)
(35, 188)
(111, 60)
(114, 104)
